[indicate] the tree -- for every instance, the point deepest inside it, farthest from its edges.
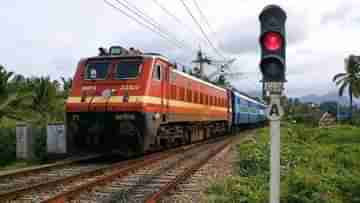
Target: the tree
(46, 99)
(66, 84)
(222, 81)
(329, 106)
(350, 79)
(13, 100)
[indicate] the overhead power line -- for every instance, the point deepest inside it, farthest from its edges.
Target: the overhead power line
(178, 20)
(149, 27)
(201, 29)
(205, 19)
(167, 11)
(203, 16)
(137, 11)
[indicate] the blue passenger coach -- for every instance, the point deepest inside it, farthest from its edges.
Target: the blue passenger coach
(246, 111)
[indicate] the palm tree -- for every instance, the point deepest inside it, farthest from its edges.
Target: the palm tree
(45, 97)
(350, 79)
(13, 100)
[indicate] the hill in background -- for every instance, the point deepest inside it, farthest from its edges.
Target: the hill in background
(331, 96)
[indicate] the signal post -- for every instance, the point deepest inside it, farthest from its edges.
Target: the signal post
(273, 67)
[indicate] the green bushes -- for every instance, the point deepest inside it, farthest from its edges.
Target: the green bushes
(35, 100)
(40, 144)
(317, 165)
(7, 146)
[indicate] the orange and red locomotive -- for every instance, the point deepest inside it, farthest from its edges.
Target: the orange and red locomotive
(130, 101)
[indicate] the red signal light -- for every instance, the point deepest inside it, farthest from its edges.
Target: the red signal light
(272, 41)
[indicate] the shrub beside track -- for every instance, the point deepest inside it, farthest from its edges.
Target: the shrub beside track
(317, 165)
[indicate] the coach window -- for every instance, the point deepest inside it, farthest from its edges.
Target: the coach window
(157, 72)
(173, 92)
(240, 105)
(196, 97)
(189, 95)
(182, 94)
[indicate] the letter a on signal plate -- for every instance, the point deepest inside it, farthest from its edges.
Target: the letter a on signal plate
(274, 111)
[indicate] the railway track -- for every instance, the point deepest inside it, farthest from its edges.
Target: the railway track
(37, 169)
(145, 181)
(18, 182)
(140, 180)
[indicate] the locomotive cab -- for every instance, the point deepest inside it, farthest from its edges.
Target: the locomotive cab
(105, 110)
(130, 102)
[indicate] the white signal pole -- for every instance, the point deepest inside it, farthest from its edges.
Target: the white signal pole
(274, 114)
(275, 156)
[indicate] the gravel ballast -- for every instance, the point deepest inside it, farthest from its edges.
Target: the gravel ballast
(193, 189)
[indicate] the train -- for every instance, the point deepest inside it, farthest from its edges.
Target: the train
(133, 103)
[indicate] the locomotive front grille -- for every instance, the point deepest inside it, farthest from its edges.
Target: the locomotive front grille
(105, 131)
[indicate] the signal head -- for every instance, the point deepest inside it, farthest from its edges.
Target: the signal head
(273, 44)
(273, 69)
(272, 41)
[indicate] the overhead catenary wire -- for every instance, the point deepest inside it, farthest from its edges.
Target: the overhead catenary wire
(140, 13)
(149, 27)
(178, 20)
(204, 17)
(167, 11)
(201, 29)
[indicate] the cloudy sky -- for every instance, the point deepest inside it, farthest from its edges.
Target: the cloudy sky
(49, 37)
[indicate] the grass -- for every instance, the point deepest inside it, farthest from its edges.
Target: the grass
(317, 165)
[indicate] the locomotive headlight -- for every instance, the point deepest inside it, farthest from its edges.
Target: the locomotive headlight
(106, 94)
(156, 116)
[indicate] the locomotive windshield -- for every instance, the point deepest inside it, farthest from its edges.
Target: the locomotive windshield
(128, 70)
(96, 71)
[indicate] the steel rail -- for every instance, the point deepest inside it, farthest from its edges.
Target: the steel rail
(185, 174)
(121, 172)
(25, 171)
(18, 192)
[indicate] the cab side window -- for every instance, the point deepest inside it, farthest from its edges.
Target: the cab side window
(157, 72)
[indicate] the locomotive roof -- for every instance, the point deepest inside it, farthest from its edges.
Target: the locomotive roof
(155, 55)
(145, 55)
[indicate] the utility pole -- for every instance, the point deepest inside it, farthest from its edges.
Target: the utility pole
(201, 60)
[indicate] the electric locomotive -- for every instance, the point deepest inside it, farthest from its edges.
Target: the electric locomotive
(132, 102)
